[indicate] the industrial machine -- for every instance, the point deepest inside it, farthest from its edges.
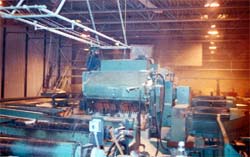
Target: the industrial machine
(132, 90)
(125, 102)
(139, 91)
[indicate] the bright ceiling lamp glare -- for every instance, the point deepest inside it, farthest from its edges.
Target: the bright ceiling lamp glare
(212, 47)
(211, 4)
(212, 43)
(204, 17)
(84, 35)
(86, 49)
(222, 16)
(212, 52)
(213, 32)
(213, 26)
(207, 5)
(214, 4)
(1, 3)
(78, 21)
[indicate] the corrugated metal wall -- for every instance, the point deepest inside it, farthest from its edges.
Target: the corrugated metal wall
(14, 63)
(35, 65)
(14, 75)
(66, 64)
(227, 70)
(52, 51)
(1, 47)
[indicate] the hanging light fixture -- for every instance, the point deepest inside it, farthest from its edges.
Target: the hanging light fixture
(212, 47)
(86, 49)
(211, 4)
(212, 52)
(213, 26)
(84, 35)
(213, 32)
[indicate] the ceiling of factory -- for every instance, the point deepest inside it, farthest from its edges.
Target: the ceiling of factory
(151, 20)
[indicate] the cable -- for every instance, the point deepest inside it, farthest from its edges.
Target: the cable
(159, 140)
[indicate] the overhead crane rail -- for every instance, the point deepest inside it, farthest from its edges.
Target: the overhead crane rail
(42, 18)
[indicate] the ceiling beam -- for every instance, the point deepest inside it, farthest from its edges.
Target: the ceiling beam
(72, 12)
(241, 36)
(167, 21)
(174, 29)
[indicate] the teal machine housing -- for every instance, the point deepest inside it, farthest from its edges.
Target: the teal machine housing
(124, 87)
(133, 86)
(116, 80)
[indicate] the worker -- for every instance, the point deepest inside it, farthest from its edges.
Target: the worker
(93, 60)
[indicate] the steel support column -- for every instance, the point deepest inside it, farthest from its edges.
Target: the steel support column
(92, 20)
(59, 58)
(44, 56)
(26, 61)
(3, 61)
(60, 6)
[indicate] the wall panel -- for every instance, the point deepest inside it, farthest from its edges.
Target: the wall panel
(51, 59)
(15, 56)
(1, 48)
(200, 86)
(227, 70)
(66, 57)
(35, 67)
(178, 53)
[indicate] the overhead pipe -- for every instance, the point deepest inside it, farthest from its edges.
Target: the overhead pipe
(18, 5)
(60, 6)
(122, 23)
(169, 21)
(72, 12)
(53, 14)
(83, 27)
(92, 20)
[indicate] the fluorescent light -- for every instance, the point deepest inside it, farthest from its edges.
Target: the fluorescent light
(213, 26)
(84, 35)
(222, 16)
(212, 47)
(241, 105)
(207, 5)
(86, 49)
(206, 36)
(211, 42)
(212, 52)
(212, 4)
(78, 21)
(204, 17)
(213, 32)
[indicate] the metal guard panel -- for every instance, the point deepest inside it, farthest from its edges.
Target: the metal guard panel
(124, 65)
(114, 85)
